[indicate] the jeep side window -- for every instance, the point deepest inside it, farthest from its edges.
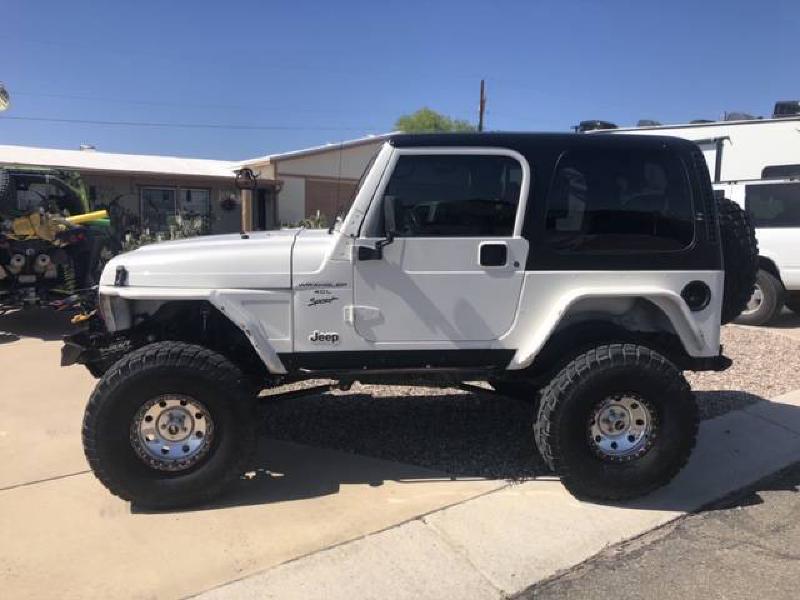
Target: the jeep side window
(455, 195)
(773, 205)
(620, 201)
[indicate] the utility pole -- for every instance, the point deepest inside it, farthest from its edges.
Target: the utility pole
(482, 105)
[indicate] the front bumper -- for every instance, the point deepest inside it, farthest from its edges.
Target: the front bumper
(79, 348)
(93, 343)
(72, 353)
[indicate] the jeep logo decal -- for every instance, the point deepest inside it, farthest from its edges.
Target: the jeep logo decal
(324, 337)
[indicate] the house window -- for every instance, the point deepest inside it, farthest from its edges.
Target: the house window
(161, 205)
(194, 203)
(158, 208)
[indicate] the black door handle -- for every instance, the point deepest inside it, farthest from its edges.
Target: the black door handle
(493, 255)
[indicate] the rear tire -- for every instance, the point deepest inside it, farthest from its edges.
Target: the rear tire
(597, 390)
(766, 301)
(170, 425)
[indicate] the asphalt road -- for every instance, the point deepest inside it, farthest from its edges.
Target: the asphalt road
(747, 546)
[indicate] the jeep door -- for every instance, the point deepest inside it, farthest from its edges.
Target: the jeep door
(454, 268)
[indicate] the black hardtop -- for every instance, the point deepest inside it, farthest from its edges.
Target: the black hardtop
(526, 143)
(543, 152)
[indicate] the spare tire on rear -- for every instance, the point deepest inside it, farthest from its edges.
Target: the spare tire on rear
(740, 256)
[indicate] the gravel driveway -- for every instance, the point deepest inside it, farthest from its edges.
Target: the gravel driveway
(486, 435)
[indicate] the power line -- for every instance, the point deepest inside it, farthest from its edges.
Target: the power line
(102, 99)
(189, 125)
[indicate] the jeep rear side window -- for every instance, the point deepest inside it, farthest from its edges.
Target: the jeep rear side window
(619, 201)
(773, 205)
(455, 195)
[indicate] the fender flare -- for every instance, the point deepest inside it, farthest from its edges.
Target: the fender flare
(669, 302)
(229, 302)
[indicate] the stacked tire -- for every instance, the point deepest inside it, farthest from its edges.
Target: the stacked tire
(740, 256)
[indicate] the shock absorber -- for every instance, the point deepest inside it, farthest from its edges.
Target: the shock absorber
(69, 278)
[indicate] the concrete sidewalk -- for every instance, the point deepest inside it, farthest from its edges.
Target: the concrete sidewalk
(503, 542)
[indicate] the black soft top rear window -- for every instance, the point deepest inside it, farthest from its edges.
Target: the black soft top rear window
(623, 200)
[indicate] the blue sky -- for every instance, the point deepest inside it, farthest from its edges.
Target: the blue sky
(316, 72)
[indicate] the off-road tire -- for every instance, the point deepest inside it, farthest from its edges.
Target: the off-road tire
(169, 368)
(740, 255)
(562, 426)
(772, 294)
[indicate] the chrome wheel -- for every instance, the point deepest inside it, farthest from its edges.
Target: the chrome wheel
(755, 301)
(621, 428)
(172, 432)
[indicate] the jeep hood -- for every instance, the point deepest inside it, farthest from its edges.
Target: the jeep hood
(260, 261)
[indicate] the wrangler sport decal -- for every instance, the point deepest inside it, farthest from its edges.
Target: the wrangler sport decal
(316, 301)
(321, 297)
(322, 284)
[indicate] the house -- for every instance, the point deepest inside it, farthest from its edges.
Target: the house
(315, 179)
(147, 189)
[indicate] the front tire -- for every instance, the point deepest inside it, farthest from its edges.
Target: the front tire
(617, 423)
(766, 301)
(170, 425)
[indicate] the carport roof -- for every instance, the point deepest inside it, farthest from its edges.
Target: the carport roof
(92, 160)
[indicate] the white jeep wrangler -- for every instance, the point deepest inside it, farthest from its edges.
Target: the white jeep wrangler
(587, 270)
